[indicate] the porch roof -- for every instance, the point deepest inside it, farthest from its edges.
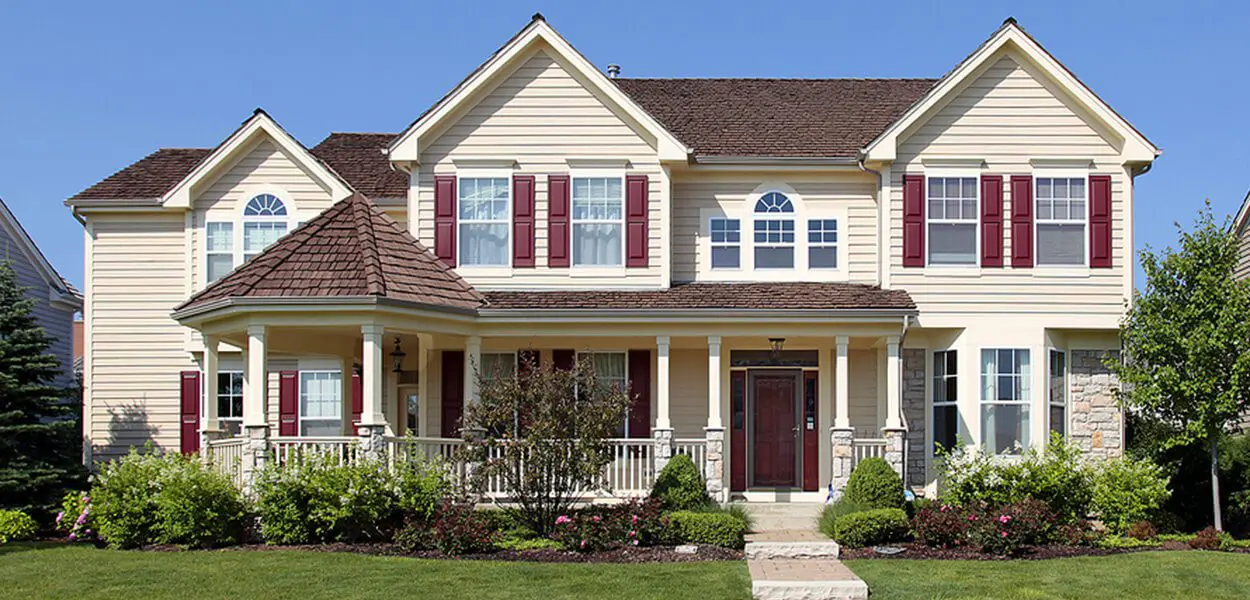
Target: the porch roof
(352, 250)
(713, 296)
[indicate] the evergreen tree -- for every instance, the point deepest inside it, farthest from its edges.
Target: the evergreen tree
(40, 442)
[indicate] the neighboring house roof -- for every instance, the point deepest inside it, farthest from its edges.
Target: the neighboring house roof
(63, 291)
(828, 118)
(703, 296)
(360, 159)
(352, 250)
(1243, 213)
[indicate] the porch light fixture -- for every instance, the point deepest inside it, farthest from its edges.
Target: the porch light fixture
(776, 344)
(397, 357)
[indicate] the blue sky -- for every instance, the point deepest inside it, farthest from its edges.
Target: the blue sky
(88, 87)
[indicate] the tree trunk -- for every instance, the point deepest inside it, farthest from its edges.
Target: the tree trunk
(1215, 482)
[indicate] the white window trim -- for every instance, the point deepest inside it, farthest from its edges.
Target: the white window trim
(577, 356)
(1040, 172)
(597, 173)
(836, 245)
(343, 419)
(792, 216)
(1028, 402)
(1050, 403)
(474, 173)
(975, 174)
(234, 216)
(934, 404)
(741, 243)
(214, 396)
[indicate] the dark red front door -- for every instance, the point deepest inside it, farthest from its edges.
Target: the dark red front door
(775, 419)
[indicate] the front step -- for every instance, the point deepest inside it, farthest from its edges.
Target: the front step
(797, 550)
(805, 580)
(768, 516)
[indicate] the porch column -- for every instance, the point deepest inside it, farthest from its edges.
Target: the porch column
(423, 385)
(209, 429)
(472, 362)
(372, 427)
(663, 431)
(894, 432)
(715, 473)
(842, 436)
(255, 406)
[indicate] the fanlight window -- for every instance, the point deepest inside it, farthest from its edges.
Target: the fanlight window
(265, 205)
(774, 237)
(774, 202)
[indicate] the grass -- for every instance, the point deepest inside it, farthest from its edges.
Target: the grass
(35, 571)
(1143, 575)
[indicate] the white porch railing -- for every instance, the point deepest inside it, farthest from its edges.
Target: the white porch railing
(868, 448)
(287, 450)
(695, 448)
(226, 457)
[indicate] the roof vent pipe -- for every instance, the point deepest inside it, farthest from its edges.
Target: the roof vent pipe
(614, 71)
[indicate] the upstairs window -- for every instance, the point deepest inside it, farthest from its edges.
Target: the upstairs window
(952, 221)
(1061, 215)
(726, 237)
(264, 221)
(822, 244)
(484, 221)
(598, 221)
(220, 250)
(774, 232)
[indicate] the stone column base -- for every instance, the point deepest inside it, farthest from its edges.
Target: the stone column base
(209, 435)
(663, 447)
(714, 474)
(372, 441)
(894, 440)
(843, 441)
(255, 454)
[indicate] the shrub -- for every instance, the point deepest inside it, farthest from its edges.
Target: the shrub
(1207, 539)
(459, 529)
(1115, 542)
(508, 524)
(16, 525)
(713, 529)
(415, 536)
(1127, 491)
(584, 532)
(1056, 475)
(738, 511)
(877, 526)
(680, 486)
(1079, 533)
(1033, 520)
(75, 518)
(941, 526)
(830, 514)
(874, 483)
(994, 533)
(124, 499)
(1142, 530)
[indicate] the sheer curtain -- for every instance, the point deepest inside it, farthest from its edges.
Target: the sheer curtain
(484, 221)
(598, 221)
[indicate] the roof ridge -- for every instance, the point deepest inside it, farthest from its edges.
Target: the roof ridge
(367, 237)
(619, 79)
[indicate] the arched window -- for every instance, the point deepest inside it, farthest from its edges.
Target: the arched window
(264, 221)
(774, 232)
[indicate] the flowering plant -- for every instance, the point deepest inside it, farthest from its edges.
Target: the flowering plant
(943, 526)
(584, 532)
(75, 518)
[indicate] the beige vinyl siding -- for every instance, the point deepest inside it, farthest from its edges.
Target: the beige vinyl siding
(137, 271)
(539, 116)
(57, 322)
(1008, 116)
(863, 389)
(1243, 254)
(688, 392)
(697, 195)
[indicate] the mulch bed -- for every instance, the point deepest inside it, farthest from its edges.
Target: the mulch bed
(916, 550)
(656, 554)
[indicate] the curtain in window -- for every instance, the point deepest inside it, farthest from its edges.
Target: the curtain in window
(258, 235)
(484, 221)
(598, 221)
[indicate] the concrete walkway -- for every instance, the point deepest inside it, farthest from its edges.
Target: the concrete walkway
(798, 563)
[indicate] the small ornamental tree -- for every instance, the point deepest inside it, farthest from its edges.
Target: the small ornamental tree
(1186, 342)
(40, 443)
(543, 433)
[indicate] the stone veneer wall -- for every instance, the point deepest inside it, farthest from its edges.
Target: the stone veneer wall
(915, 415)
(1096, 423)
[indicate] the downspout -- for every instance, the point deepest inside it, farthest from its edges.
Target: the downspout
(882, 215)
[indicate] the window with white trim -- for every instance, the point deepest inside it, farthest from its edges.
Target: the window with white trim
(320, 403)
(952, 221)
(485, 221)
(498, 365)
(1060, 220)
(822, 243)
(726, 239)
(1058, 392)
(612, 368)
(219, 248)
(945, 399)
(264, 221)
(774, 232)
(1005, 394)
(229, 397)
(598, 221)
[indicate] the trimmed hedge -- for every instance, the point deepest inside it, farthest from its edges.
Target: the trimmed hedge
(714, 529)
(874, 483)
(680, 486)
(871, 527)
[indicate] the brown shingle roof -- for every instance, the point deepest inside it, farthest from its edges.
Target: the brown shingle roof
(150, 177)
(358, 158)
(776, 117)
(724, 296)
(352, 249)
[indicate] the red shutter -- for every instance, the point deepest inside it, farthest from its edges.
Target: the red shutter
(991, 220)
(636, 221)
(189, 427)
(738, 431)
(522, 220)
(558, 221)
(445, 218)
(1100, 221)
(453, 392)
(1021, 221)
(913, 220)
(358, 401)
(639, 393)
(288, 403)
(563, 359)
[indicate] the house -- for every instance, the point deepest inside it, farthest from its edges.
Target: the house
(789, 275)
(56, 300)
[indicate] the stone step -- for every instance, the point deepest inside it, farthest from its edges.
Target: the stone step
(796, 550)
(761, 523)
(784, 579)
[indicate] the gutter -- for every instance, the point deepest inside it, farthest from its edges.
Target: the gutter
(819, 161)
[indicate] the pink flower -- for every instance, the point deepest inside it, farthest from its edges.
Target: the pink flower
(583, 544)
(73, 537)
(633, 533)
(562, 519)
(972, 517)
(944, 508)
(81, 519)
(635, 542)
(633, 519)
(595, 519)
(1004, 534)
(60, 516)
(1004, 519)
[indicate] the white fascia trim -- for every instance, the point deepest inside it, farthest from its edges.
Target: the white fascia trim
(1240, 221)
(406, 147)
(687, 315)
(259, 123)
(1136, 148)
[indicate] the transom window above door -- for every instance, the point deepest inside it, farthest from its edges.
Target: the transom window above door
(952, 221)
(485, 210)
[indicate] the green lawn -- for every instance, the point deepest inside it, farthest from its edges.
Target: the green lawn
(33, 571)
(1143, 575)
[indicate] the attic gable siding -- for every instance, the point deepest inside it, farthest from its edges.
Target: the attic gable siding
(1007, 116)
(540, 115)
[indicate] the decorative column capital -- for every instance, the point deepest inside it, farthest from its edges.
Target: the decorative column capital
(372, 330)
(842, 341)
(256, 331)
(663, 340)
(713, 341)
